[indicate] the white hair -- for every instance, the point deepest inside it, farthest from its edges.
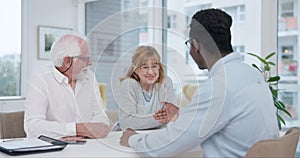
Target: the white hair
(68, 45)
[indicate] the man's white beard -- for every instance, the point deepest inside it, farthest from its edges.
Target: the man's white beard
(81, 75)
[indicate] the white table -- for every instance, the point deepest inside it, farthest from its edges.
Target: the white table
(107, 147)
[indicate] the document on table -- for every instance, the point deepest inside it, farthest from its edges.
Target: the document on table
(18, 143)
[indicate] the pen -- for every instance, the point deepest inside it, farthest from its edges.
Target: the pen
(13, 139)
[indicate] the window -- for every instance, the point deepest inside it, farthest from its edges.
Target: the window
(113, 33)
(288, 57)
(187, 71)
(240, 49)
(287, 9)
(237, 12)
(287, 16)
(114, 30)
(10, 48)
(171, 21)
(290, 100)
(191, 7)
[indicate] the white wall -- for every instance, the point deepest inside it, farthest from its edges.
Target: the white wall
(58, 13)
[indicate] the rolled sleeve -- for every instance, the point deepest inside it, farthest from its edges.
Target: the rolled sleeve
(138, 143)
(71, 128)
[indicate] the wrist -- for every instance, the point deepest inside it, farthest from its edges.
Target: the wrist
(81, 130)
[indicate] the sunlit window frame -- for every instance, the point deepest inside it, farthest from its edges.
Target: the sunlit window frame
(268, 41)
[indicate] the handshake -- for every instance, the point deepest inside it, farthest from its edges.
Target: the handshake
(167, 113)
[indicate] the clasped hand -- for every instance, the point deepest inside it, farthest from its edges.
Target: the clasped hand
(164, 115)
(167, 114)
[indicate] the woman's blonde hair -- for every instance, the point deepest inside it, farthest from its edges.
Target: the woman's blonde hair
(140, 56)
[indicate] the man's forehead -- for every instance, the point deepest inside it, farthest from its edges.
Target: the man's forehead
(84, 48)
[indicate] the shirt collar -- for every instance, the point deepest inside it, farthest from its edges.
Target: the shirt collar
(62, 78)
(58, 75)
(221, 62)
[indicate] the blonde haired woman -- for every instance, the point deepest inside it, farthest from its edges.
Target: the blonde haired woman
(143, 89)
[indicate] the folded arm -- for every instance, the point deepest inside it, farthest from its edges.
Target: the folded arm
(128, 112)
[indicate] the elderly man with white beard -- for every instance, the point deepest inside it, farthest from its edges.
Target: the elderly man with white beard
(64, 101)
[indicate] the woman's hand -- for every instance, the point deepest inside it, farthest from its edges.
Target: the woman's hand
(166, 114)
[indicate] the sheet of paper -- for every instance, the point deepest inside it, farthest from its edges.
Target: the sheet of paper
(22, 143)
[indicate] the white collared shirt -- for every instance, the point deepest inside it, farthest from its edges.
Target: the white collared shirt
(52, 108)
(230, 111)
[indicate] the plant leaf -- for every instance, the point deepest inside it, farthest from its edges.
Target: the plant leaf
(271, 63)
(284, 109)
(274, 92)
(277, 105)
(282, 104)
(278, 123)
(281, 119)
(286, 112)
(267, 67)
(259, 58)
(252, 54)
(270, 55)
(257, 68)
(274, 79)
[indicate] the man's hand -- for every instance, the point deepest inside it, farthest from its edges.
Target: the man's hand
(167, 114)
(126, 135)
(92, 130)
(72, 138)
(161, 115)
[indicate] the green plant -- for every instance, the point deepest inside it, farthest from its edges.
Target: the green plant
(265, 70)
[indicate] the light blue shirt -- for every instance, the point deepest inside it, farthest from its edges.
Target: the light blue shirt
(148, 104)
(232, 110)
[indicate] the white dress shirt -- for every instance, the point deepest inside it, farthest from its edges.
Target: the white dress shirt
(230, 111)
(53, 108)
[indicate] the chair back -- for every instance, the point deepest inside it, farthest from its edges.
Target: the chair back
(189, 90)
(12, 125)
(102, 89)
(284, 146)
(112, 115)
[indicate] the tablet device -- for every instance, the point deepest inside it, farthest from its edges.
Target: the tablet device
(61, 142)
(21, 146)
(52, 140)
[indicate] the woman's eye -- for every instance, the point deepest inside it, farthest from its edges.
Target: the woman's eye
(154, 66)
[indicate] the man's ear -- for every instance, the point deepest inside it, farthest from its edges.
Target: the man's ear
(67, 61)
(196, 45)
